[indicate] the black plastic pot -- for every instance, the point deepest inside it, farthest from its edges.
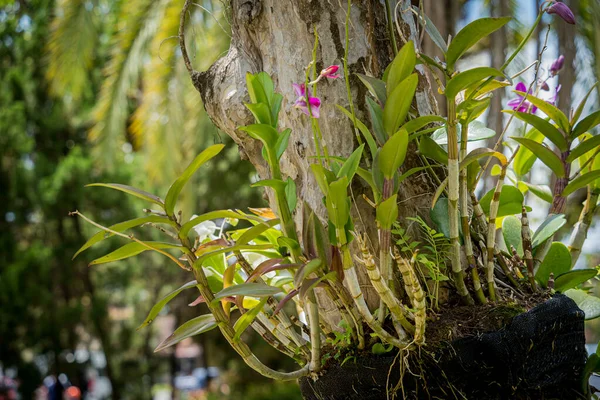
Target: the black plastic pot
(540, 354)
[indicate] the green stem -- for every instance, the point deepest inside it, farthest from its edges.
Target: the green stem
(453, 196)
(390, 26)
(491, 236)
(585, 221)
(464, 215)
(527, 250)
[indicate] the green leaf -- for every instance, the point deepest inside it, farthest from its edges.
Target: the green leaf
(547, 156)
(130, 250)
(123, 226)
(256, 230)
(290, 194)
(351, 164)
(178, 185)
(375, 86)
(581, 105)
(430, 149)
(554, 113)
(547, 229)
(282, 142)
(393, 153)
(470, 110)
(543, 126)
(376, 114)
(256, 91)
(490, 86)
(511, 231)
(468, 78)
(275, 108)
(557, 261)
(245, 247)
(511, 201)
(431, 30)
(439, 215)
(337, 203)
(379, 349)
(584, 147)
(261, 112)
(580, 182)
(590, 305)
(541, 191)
(322, 176)
(157, 308)
(476, 154)
(415, 124)
(402, 66)
(191, 328)
(398, 104)
(363, 129)
(188, 226)
(586, 124)
(246, 320)
(387, 212)
(413, 171)
(247, 289)
(477, 131)
(263, 132)
(525, 158)
(303, 272)
(572, 279)
(471, 34)
(132, 191)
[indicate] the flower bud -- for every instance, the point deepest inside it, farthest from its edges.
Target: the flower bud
(563, 11)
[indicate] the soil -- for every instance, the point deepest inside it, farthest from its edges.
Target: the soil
(472, 352)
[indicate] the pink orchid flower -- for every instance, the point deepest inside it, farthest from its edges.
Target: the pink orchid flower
(330, 72)
(313, 102)
(563, 11)
(519, 103)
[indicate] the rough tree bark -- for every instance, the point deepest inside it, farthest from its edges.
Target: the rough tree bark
(277, 36)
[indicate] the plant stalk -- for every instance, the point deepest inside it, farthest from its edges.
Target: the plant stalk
(581, 228)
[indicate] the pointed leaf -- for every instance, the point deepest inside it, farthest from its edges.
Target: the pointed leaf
(402, 66)
(248, 289)
(282, 142)
(246, 320)
(337, 203)
(375, 86)
(469, 78)
(398, 104)
(480, 153)
(586, 124)
(547, 156)
(263, 132)
(393, 153)
(363, 129)
(547, 229)
(132, 191)
(387, 212)
(191, 328)
(431, 29)
(584, 147)
(541, 191)
(430, 149)
(477, 131)
(572, 279)
(581, 105)
(376, 115)
(123, 226)
(525, 158)
(580, 182)
(543, 126)
(188, 226)
(132, 249)
(554, 113)
(261, 112)
(351, 164)
(415, 124)
(178, 185)
(471, 34)
(157, 308)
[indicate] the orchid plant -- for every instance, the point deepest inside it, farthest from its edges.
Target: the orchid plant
(265, 275)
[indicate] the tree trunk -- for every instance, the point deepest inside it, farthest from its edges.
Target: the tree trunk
(278, 37)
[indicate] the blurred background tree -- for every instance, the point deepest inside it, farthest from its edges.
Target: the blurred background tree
(95, 91)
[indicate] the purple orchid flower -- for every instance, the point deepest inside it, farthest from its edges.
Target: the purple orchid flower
(557, 65)
(313, 102)
(563, 11)
(519, 103)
